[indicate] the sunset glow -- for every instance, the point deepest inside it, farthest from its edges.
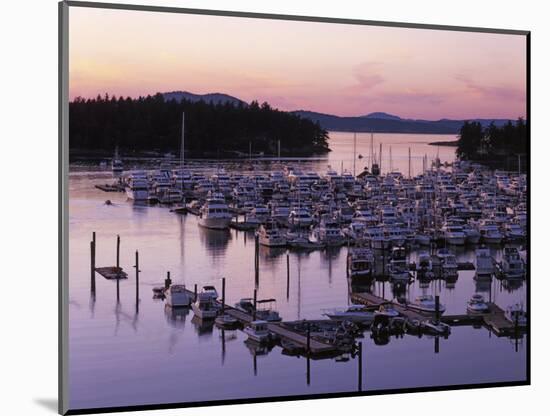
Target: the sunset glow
(340, 69)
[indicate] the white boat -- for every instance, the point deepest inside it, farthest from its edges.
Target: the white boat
(426, 303)
(353, 313)
(211, 292)
(265, 311)
(514, 232)
(513, 265)
(270, 235)
(485, 265)
(137, 187)
(215, 214)
(328, 233)
(515, 313)
(300, 217)
(177, 296)
(472, 235)
(257, 331)
(398, 268)
(490, 232)
(117, 166)
(360, 262)
(424, 267)
(387, 311)
(205, 307)
(435, 328)
(453, 234)
(449, 267)
(477, 304)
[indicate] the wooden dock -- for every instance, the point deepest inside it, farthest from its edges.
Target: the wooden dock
(283, 331)
(110, 188)
(494, 320)
(112, 272)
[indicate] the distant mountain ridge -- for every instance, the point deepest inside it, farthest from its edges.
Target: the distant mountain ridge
(212, 98)
(387, 123)
(376, 122)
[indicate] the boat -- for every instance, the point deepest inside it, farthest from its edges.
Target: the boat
(205, 307)
(435, 327)
(265, 311)
(490, 232)
(137, 187)
(226, 321)
(477, 304)
(360, 263)
(485, 265)
(453, 234)
(300, 217)
(245, 305)
(398, 269)
(214, 214)
(449, 267)
(258, 331)
(426, 303)
(424, 267)
(270, 235)
(210, 291)
(178, 296)
(328, 234)
(353, 313)
(512, 264)
(514, 232)
(515, 313)
(386, 311)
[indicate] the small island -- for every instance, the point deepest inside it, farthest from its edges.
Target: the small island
(152, 124)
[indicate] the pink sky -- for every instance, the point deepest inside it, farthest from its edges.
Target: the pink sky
(339, 69)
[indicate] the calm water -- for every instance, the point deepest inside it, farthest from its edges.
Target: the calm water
(119, 357)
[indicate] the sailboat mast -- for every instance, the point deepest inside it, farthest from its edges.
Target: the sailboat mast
(409, 163)
(380, 157)
(354, 150)
(182, 150)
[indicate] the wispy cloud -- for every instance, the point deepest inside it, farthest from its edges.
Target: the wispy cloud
(496, 92)
(367, 75)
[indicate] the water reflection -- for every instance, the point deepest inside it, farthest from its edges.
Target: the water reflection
(214, 241)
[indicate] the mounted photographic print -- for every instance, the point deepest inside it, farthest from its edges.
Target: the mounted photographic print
(263, 207)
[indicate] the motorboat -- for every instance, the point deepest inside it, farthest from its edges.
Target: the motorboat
(214, 214)
(448, 264)
(353, 313)
(477, 304)
(205, 307)
(516, 313)
(485, 264)
(512, 264)
(226, 321)
(270, 235)
(360, 262)
(178, 296)
(426, 303)
(258, 331)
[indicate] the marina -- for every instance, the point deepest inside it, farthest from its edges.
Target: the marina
(368, 275)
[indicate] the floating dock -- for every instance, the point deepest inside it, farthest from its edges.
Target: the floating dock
(494, 320)
(112, 272)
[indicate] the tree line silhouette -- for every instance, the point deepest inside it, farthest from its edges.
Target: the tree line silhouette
(152, 123)
(492, 143)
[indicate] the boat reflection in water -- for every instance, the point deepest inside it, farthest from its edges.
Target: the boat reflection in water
(214, 241)
(203, 327)
(176, 317)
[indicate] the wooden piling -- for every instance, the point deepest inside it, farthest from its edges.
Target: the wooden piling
(118, 252)
(255, 301)
(308, 349)
(256, 259)
(360, 367)
(92, 265)
(137, 280)
(287, 274)
(195, 293)
(223, 295)
(167, 281)
(437, 312)
(308, 370)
